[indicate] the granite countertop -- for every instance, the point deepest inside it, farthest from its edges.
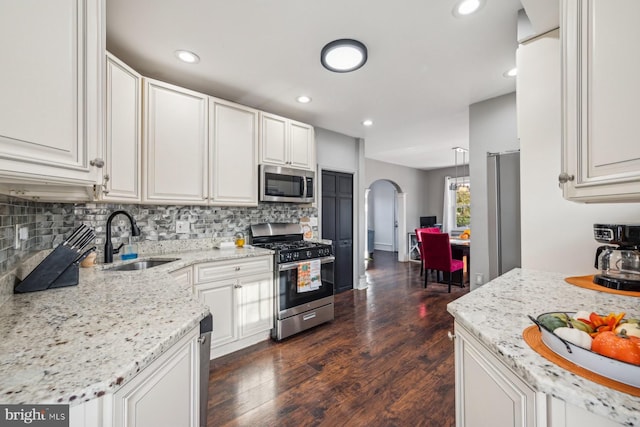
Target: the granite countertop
(496, 314)
(73, 344)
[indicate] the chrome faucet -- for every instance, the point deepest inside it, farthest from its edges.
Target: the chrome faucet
(108, 246)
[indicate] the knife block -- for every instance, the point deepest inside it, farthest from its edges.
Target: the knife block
(57, 270)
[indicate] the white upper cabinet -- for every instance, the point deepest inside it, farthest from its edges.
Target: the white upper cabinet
(234, 154)
(51, 86)
(121, 172)
(175, 151)
(601, 153)
(285, 142)
(302, 145)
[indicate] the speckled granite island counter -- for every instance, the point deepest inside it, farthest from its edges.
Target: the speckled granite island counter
(71, 345)
(496, 314)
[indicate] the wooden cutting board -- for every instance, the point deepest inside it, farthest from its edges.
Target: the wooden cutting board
(533, 337)
(587, 283)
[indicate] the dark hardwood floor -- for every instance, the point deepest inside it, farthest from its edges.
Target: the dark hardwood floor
(385, 360)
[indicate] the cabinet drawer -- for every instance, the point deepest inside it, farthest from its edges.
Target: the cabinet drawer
(219, 270)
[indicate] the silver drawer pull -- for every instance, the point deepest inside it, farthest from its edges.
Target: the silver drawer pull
(309, 316)
(237, 268)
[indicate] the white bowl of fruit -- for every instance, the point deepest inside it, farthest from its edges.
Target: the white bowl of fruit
(607, 345)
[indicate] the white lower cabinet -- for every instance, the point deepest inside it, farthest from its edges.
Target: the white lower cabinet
(488, 393)
(220, 297)
(239, 294)
(166, 393)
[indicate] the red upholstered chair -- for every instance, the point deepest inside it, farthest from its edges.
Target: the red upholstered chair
(419, 231)
(436, 253)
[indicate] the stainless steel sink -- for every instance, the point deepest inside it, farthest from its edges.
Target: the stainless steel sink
(142, 264)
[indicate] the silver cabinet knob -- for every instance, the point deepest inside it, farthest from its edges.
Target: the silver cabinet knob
(237, 286)
(451, 336)
(564, 177)
(98, 162)
(237, 268)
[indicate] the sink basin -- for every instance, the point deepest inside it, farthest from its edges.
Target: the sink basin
(142, 264)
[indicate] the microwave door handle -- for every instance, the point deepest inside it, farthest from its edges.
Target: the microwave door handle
(304, 187)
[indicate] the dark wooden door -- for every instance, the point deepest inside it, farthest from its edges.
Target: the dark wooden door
(337, 224)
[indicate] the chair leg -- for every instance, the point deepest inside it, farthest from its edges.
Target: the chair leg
(426, 278)
(421, 267)
(449, 283)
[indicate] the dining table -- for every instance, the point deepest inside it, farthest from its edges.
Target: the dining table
(461, 250)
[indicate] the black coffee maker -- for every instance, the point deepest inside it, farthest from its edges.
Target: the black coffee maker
(619, 265)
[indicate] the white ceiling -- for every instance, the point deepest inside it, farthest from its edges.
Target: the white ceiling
(425, 66)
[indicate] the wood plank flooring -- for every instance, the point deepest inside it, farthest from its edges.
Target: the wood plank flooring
(384, 361)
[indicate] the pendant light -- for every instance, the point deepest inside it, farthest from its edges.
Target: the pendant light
(455, 185)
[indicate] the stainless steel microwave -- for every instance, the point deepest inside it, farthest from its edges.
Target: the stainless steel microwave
(278, 184)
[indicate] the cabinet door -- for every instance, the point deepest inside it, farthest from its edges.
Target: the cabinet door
(273, 140)
(487, 392)
(220, 297)
(51, 86)
(600, 109)
(234, 154)
(175, 150)
(302, 145)
(255, 304)
(164, 394)
(121, 171)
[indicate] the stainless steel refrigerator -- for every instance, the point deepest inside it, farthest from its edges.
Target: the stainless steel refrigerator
(503, 190)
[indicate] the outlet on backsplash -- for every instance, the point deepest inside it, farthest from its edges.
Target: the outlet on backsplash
(182, 227)
(21, 233)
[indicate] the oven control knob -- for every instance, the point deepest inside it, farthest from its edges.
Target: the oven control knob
(309, 254)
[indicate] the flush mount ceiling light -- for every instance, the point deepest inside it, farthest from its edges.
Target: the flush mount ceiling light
(467, 7)
(343, 56)
(367, 122)
(511, 73)
(186, 56)
(303, 99)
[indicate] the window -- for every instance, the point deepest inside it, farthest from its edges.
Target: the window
(463, 205)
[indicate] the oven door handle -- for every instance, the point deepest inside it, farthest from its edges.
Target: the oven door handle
(294, 265)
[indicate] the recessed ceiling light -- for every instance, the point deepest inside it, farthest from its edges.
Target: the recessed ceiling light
(303, 99)
(467, 7)
(343, 56)
(511, 73)
(367, 122)
(186, 56)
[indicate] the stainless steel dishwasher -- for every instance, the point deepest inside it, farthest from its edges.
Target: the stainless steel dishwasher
(206, 326)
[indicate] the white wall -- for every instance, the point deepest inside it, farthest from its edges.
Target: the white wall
(336, 150)
(383, 202)
(557, 235)
(492, 128)
(411, 181)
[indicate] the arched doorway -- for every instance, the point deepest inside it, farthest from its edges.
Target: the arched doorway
(385, 218)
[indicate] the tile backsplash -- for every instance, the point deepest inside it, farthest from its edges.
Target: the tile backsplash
(49, 223)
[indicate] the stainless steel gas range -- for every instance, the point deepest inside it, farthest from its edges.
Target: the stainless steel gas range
(303, 277)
